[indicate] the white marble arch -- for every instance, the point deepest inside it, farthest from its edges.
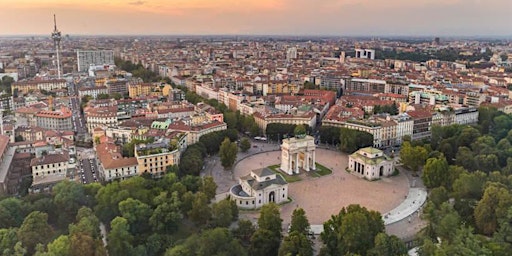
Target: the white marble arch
(298, 153)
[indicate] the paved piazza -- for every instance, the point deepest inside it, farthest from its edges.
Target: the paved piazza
(324, 196)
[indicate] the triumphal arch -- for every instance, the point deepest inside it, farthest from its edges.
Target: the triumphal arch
(298, 153)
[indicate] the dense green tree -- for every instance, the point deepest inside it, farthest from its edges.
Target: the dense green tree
(244, 231)
(208, 187)
(223, 213)
(191, 165)
(8, 239)
(264, 242)
(11, 212)
(68, 197)
(34, 230)
(467, 136)
(296, 244)
(388, 246)
(413, 156)
(166, 217)
(487, 163)
(435, 172)
(87, 223)
(137, 214)
(215, 242)
(464, 243)
(493, 206)
(245, 144)
(466, 159)
(300, 222)
(352, 140)
(119, 238)
(329, 134)
(278, 131)
(61, 246)
(108, 198)
(469, 185)
(270, 219)
(353, 230)
(230, 119)
(228, 151)
(200, 213)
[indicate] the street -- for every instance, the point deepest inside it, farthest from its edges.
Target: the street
(87, 170)
(78, 118)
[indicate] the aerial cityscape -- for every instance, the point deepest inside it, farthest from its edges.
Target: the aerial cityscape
(338, 127)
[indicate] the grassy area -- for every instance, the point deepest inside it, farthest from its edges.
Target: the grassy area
(322, 170)
(288, 178)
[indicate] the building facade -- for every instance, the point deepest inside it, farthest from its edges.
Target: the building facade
(370, 163)
(260, 187)
(87, 58)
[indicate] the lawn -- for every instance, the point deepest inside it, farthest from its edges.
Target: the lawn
(288, 178)
(322, 170)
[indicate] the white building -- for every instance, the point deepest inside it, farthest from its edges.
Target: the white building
(370, 163)
(365, 54)
(261, 186)
(92, 91)
(88, 58)
(291, 53)
(48, 170)
(112, 165)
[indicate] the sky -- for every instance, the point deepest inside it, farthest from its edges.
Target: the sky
(259, 17)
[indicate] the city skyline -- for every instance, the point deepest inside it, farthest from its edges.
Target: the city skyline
(265, 17)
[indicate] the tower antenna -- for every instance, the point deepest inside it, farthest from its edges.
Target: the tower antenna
(56, 37)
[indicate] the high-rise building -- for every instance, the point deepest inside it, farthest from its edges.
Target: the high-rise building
(365, 54)
(291, 53)
(87, 58)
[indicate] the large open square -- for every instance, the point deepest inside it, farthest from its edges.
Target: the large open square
(324, 196)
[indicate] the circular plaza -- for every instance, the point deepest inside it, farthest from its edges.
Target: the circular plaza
(324, 196)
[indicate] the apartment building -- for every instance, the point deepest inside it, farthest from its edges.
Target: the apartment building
(29, 86)
(55, 120)
(308, 118)
(86, 58)
(112, 165)
(154, 158)
(92, 91)
(194, 132)
(48, 170)
(422, 122)
(101, 117)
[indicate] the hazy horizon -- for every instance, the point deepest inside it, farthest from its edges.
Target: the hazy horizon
(337, 18)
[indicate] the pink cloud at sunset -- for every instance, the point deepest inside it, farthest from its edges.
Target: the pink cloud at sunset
(289, 17)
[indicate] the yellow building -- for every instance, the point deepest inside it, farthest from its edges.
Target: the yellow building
(154, 158)
(138, 90)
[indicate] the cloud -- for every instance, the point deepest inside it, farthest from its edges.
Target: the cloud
(137, 3)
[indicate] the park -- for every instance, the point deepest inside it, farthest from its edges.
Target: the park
(320, 196)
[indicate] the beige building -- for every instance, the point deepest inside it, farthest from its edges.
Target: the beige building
(55, 120)
(49, 169)
(112, 165)
(101, 117)
(370, 163)
(154, 158)
(195, 132)
(260, 187)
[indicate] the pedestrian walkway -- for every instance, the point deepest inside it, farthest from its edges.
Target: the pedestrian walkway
(414, 201)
